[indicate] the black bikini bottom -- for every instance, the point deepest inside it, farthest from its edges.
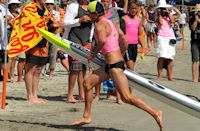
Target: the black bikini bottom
(115, 65)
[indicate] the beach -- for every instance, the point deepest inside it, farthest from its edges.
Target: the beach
(57, 114)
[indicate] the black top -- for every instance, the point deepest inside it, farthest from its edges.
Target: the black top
(43, 42)
(81, 33)
(195, 35)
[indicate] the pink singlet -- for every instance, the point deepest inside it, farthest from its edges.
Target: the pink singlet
(132, 29)
(111, 43)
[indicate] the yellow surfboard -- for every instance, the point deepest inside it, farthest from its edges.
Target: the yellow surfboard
(58, 41)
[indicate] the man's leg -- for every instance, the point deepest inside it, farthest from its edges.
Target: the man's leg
(29, 69)
(80, 85)
(20, 68)
(121, 84)
(35, 83)
(96, 78)
(71, 84)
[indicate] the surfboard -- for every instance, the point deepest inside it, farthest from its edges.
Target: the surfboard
(136, 81)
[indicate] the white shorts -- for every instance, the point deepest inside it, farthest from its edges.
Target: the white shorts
(164, 48)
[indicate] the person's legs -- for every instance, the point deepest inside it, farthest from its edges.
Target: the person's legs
(118, 97)
(29, 69)
(159, 67)
(194, 71)
(96, 78)
(130, 65)
(170, 69)
(12, 68)
(149, 40)
(97, 91)
(121, 83)
(35, 83)
(20, 68)
(80, 85)
(154, 39)
(199, 73)
(71, 84)
(65, 63)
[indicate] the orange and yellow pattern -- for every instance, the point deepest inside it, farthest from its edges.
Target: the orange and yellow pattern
(25, 35)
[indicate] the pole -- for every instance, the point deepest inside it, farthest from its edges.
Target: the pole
(5, 70)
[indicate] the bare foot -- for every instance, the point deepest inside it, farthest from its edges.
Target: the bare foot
(195, 81)
(159, 119)
(82, 121)
(120, 102)
(41, 101)
(96, 99)
(20, 80)
(72, 100)
(36, 101)
(112, 98)
(159, 78)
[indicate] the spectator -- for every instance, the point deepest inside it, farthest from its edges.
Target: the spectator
(36, 57)
(77, 29)
(13, 7)
(134, 36)
(194, 24)
(165, 39)
(50, 4)
(151, 26)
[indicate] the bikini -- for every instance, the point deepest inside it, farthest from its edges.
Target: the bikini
(110, 45)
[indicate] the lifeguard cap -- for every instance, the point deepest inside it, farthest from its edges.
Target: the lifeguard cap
(96, 6)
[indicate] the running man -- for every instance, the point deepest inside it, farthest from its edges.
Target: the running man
(107, 42)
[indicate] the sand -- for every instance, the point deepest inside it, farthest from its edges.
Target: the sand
(57, 115)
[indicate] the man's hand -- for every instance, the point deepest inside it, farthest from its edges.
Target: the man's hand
(90, 57)
(84, 18)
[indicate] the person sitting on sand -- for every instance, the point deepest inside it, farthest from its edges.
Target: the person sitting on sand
(107, 42)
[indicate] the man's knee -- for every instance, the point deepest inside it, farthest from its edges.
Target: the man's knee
(87, 84)
(127, 98)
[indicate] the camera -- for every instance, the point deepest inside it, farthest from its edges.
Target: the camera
(163, 12)
(197, 14)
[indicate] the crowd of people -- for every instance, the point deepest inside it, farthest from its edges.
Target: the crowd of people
(120, 30)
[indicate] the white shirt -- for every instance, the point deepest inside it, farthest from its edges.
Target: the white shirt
(56, 15)
(182, 18)
(69, 18)
(2, 31)
(3, 10)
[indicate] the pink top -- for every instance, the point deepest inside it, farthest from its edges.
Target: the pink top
(165, 29)
(132, 29)
(111, 43)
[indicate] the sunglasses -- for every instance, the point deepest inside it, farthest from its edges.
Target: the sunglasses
(49, 4)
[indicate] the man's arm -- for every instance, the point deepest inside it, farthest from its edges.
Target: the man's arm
(122, 39)
(195, 22)
(71, 13)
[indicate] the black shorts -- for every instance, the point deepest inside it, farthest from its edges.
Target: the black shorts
(195, 51)
(2, 57)
(60, 55)
(115, 65)
(181, 25)
(37, 60)
(131, 53)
